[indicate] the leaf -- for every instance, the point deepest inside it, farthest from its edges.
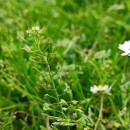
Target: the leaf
(63, 102)
(46, 107)
(42, 128)
(68, 90)
(26, 48)
(81, 121)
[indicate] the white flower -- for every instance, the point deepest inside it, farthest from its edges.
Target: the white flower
(37, 28)
(100, 88)
(125, 47)
(34, 30)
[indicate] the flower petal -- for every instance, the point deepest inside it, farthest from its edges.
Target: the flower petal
(94, 89)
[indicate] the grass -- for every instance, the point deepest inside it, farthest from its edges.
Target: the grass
(49, 88)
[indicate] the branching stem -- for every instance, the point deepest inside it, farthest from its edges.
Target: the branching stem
(51, 78)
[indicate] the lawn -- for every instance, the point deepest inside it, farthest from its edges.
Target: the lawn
(61, 67)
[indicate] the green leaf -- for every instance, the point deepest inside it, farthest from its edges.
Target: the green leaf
(46, 107)
(81, 121)
(63, 102)
(42, 128)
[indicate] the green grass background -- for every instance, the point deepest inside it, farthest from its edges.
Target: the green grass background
(87, 34)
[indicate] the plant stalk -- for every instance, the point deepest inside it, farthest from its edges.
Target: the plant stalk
(100, 113)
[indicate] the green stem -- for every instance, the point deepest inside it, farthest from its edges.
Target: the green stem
(100, 113)
(54, 87)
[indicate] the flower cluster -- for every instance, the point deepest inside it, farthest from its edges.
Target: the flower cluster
(125, 47)
(100, 88)
(34, 30)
